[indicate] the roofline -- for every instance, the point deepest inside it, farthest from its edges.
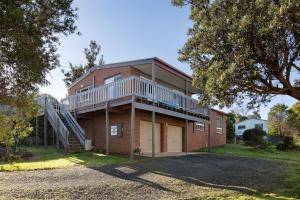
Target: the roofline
(251, 119)
(219, 111)
(129, 63)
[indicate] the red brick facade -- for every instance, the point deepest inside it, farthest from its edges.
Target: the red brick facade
(94, 123)
(94, 127)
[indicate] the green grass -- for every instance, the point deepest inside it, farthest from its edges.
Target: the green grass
(292, 188)
(51, 158)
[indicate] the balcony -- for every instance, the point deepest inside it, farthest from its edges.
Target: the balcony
(147, 93)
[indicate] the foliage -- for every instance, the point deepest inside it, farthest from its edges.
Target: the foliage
(50, 158)
(254, 115)
(287, 144)
(277, 120)
(293, 119)
(29, 35)
(91, 55)
(243, 49)
(254, 137)
(16, 125)
(51, 98)
(230, 128)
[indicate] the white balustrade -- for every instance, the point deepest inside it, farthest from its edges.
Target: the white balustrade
(139, 87)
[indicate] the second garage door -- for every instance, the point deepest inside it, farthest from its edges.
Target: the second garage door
(146, 137)
(174, 139)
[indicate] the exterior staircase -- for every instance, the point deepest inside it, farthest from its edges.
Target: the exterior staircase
(67, 129)
(74, 143)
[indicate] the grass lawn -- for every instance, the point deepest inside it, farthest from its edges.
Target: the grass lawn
(51, 158)
(292, 188)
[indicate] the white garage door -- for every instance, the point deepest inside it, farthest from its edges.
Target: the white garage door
(174, 139)
(146, 137)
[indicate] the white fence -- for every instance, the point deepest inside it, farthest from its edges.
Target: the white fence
(139, 87)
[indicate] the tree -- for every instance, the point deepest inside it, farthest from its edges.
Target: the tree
(29, 35)
(254, 115)
(16, 124)
(277, 120)
(293, 119)
(243, 49)
(230, 128)
(91, 55)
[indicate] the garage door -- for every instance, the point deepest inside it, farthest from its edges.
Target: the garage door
(146, 137)
(174, 139)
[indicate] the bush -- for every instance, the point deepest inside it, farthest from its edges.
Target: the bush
(255, 137)
(288, 144)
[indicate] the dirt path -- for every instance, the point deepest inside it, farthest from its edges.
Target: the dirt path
(165, 178)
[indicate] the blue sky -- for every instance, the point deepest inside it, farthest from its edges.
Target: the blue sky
(127, 30)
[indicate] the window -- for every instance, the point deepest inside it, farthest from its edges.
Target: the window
(219, 124)
(112, 90)
(199, 126)
(241, 127)
(84, 96)
(259, 126)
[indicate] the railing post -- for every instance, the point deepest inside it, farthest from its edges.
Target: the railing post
(45, 123)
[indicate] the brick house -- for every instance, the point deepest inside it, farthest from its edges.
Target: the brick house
(143, 105)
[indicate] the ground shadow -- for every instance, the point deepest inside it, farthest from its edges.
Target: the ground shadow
(245, 175)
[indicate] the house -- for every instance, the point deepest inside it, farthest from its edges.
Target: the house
(249, 124)
(142, 105)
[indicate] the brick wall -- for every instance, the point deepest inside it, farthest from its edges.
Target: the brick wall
(196, 139)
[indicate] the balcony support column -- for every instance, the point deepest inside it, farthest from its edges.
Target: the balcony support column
(132, 127)
(153, 111)
(107, 128)
(186, 130)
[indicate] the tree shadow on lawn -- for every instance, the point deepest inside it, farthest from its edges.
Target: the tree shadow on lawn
(246, 175)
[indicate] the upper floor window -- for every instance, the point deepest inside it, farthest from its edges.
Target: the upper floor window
(84, 89)
(112, 79)
(241, 127)
(259, 126)
(199, 126)
(219, 124)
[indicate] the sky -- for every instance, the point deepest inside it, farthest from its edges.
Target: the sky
(129, 30)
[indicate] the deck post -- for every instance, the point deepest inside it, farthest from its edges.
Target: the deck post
(45, 122)
(107, 128)
(186, 91)
(153, 111)
(208, 136)
(36, 130)
(132, 127)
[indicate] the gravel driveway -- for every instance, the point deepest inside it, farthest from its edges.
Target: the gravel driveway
(183, 177)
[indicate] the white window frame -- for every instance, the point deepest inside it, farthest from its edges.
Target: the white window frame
(200, 126)
(84, 98)
(219, 127)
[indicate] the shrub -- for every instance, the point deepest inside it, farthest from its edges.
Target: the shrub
(287, 144)
(254, 137)
(137, 150)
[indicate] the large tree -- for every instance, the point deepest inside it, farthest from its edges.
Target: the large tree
(277, 120)
(243, 49)
(91, 55)
(29, 35)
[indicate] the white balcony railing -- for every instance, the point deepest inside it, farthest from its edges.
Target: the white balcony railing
(139, 87)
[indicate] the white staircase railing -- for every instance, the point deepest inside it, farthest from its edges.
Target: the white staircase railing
(76, 128)
(57, 124)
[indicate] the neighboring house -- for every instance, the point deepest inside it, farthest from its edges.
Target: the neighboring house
(249, 124)
(143, 105)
